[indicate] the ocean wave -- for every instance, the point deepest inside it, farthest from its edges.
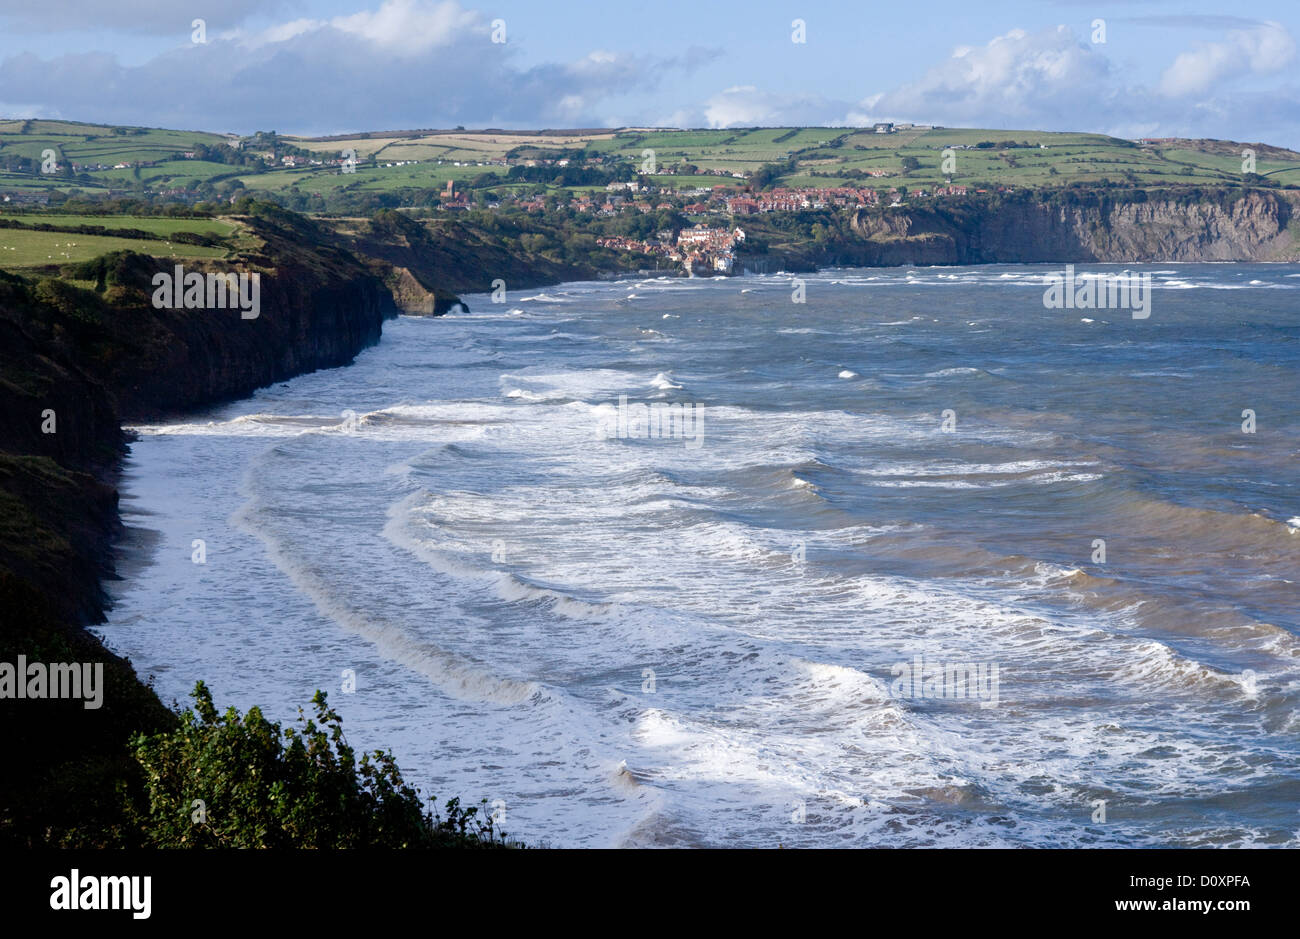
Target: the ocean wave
(663, 383)
(452, 674)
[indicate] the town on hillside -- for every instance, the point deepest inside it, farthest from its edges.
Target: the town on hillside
(701, 251)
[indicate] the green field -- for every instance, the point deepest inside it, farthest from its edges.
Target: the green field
(824, 156)
(92, 144)
(837, 155)
(27, 247)
(314, 179)
(153, 224)
(20, 249)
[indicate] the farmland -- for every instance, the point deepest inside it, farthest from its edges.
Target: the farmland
(396, 167)
(20, 249)
(26, 246)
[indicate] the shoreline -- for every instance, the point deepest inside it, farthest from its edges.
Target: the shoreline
(429, 337)
(334, 306)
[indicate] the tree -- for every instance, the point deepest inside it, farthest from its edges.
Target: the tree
(767, 175)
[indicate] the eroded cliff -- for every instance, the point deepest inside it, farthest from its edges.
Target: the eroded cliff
(1247, 226)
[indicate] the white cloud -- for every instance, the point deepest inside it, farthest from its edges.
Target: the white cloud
(1053, 80)
(407, 63)
(400, 27)
(748, 106)
(1261, 49)
(742, 104)
(1018, 76)
(426, 63)
(281, 32)
(410, 26)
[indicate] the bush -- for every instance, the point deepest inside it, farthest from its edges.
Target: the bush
(222, 780)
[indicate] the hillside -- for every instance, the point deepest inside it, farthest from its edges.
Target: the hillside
(48, 160)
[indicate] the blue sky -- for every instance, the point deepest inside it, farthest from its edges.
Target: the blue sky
(1167, 67)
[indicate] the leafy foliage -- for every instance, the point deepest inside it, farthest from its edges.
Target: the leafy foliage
(769, 174)
(261, 786)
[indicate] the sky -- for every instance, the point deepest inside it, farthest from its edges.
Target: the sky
(1138, 68)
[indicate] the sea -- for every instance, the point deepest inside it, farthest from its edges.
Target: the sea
(894, 557)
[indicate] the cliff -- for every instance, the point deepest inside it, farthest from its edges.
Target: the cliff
(425, 265)
(74, 364)
(1127, 227)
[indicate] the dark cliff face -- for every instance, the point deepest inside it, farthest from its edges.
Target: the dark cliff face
(59, 427)
(318, 306)
(42, 327)
(1255, 226)
(75, 363)
(180, 359)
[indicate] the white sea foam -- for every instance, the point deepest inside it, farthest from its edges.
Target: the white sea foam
(635, 644)
(663, 382)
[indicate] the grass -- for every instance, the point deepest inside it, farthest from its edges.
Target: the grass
(25, 249)
(827, 151)
(97, 143)
(422, 176)
(155, 224)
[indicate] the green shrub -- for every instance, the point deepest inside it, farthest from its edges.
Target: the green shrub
(222, 780)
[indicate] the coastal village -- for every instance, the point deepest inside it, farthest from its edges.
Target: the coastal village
(702, 251)
(705, 250)
(727, 200)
